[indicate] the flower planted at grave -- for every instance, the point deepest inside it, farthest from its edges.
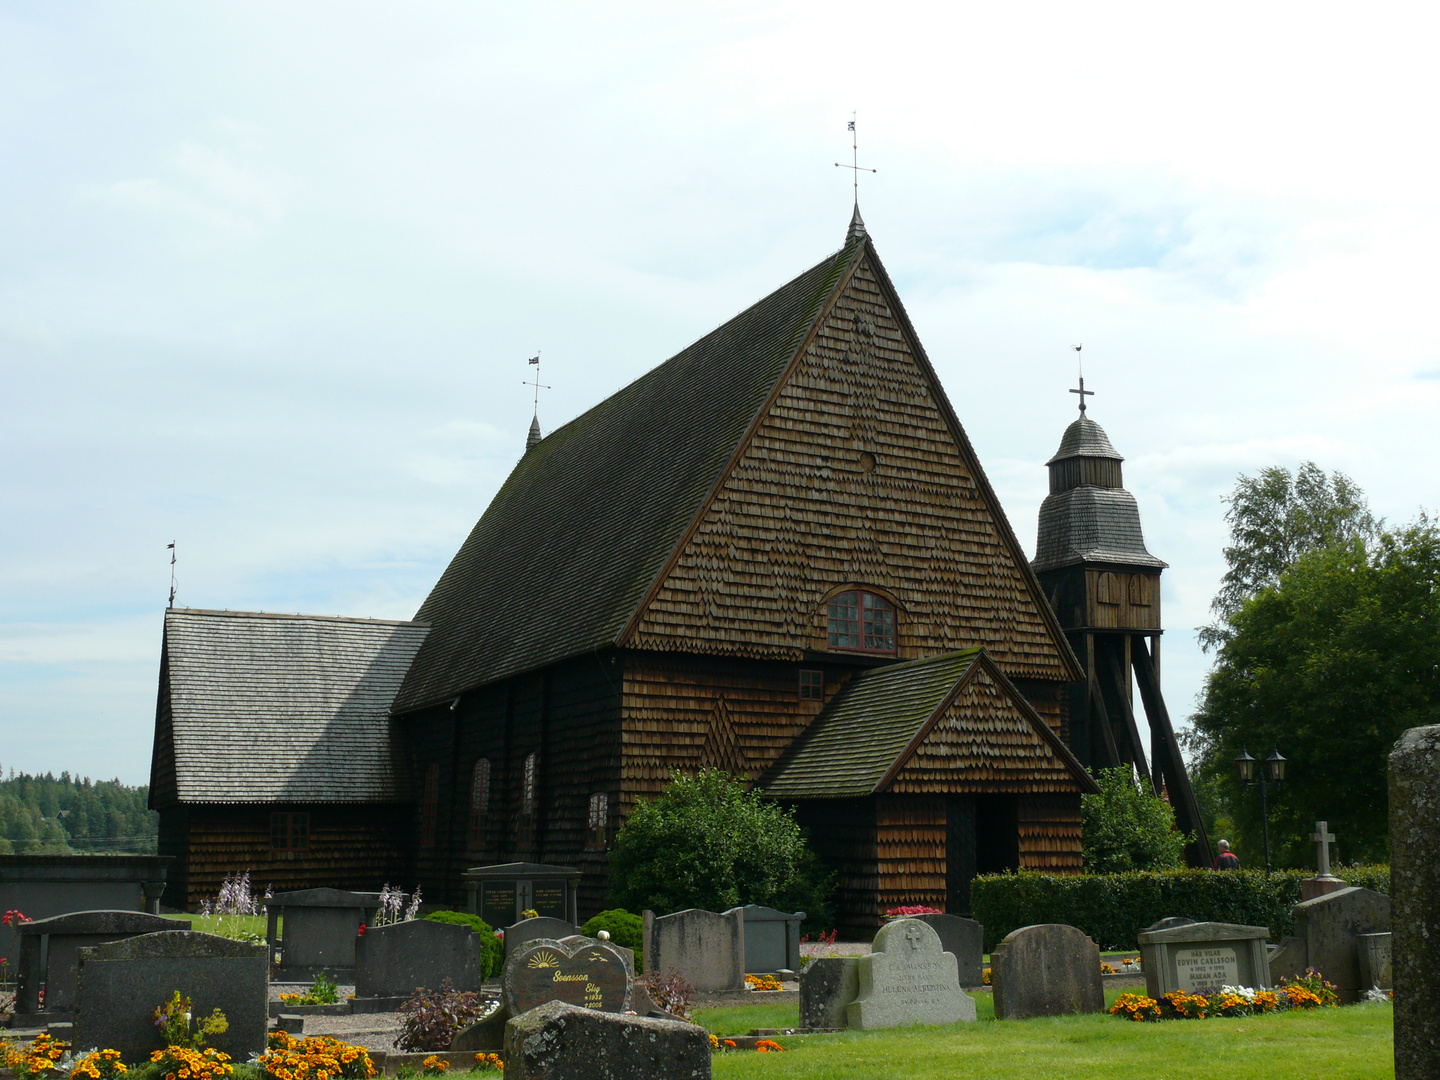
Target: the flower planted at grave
(99, 1065)
(488, 1062)
(1136, 1007)
(315, 1058)
(434, 1066)
(177, 1025)
(38, 1061)
(188, 1063)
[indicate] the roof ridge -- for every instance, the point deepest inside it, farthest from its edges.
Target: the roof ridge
(226, 613)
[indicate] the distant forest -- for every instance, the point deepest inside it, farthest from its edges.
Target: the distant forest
(50, 815)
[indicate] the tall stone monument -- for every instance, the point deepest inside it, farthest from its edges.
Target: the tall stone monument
(1415, 901)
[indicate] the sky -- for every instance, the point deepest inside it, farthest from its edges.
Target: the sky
(269, 275)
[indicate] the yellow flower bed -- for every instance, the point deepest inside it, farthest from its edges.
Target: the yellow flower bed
(315, 1058)
(99, 1065)
(183, 1063)
(36, 1060)
(762, 982)
(495, 1061)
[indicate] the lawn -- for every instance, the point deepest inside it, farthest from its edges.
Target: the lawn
(225, 925)
(1353, 1043)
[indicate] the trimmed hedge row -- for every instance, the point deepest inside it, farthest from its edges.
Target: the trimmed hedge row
(1114, 908)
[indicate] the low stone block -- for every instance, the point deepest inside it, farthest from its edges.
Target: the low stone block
(965, 938)
(707, 948)
(772, 938)
(827, 987)
(908, 979)
(391, 961)
(1375, 962)
(1046, 970)
(120, 985)
(290, 1024)
(559, 1041)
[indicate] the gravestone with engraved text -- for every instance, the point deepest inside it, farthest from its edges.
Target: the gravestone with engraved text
(1202, 957)
(579, 971)
(908, 978)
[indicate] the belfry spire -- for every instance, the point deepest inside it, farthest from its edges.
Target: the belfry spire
(533, 439)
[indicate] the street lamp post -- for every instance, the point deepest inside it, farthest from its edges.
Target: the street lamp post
(1274, 770)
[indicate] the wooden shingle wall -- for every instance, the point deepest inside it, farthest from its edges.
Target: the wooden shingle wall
(910, 851)
(853, 478)
(1050, 833)
(984, 743)
(351, 847)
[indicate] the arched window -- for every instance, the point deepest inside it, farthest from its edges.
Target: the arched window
(479, 801)
(1139, 590)
(525, 834)
(429, 805)
(1107, 589)
(599, 823)
(862, 622)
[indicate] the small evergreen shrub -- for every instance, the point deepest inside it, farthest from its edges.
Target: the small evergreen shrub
(492, 948)
(1114, 908)
(624, 929)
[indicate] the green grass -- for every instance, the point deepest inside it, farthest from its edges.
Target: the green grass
(226, 925)
(1354, 1043)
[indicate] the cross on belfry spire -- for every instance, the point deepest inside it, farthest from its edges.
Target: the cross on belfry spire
(534, 436)
(855, 167)
(1082, 391)
(1323, 838)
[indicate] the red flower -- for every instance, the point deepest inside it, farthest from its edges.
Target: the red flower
(362, 930)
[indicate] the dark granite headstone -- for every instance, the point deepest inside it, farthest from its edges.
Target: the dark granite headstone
(706, 948)
(558, 1041)
(58, 940)
(1415, 901)
(965, 938)
(322, 927)
(1046, 970)
(120, 985)
(772, 939)
(527, 930)
(581, 972)
(391, 961)
(502, 893)
(827, 985)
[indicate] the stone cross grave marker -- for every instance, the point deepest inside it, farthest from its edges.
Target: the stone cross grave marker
(582, 972)
(908, 978)
(1323, 838)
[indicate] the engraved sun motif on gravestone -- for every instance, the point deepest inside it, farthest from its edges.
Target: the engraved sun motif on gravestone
(593, 974)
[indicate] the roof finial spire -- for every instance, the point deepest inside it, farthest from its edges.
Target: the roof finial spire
(855, 169)
(1082, 391)
(534, 437)
(171, 546)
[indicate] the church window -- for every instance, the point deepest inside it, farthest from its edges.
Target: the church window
(862, 621)
(429, 805)
(1107, 589)
(479, 801)
(595, 831)
(1139, 590)
(812, 685)
(290, 832)
(526, 831)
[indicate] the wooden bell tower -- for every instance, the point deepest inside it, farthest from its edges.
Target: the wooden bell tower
(1104, 585)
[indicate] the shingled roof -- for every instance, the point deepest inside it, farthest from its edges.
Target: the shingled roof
(278, 708)
(563, 556)
(877, 726)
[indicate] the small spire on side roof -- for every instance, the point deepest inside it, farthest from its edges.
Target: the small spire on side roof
(857, 227)
(533, 439)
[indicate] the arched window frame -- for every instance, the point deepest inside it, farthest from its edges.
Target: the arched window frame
(479, 801)
(862, 621)
(1107, 588)
(525, 831)
(598, 823)
(429, 805)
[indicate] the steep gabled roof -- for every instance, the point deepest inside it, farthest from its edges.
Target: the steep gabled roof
(279, 708)
(559, 562)
(877, 726)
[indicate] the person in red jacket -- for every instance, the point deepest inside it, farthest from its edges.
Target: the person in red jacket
(1227, 859)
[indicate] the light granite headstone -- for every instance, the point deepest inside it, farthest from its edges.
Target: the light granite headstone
(707, 948)
(908, 979)
(1326, 938)
(1201, 957)
(828, 985)
(121, 984)
(1049, 969)
(1415, 901)
(1376, 966)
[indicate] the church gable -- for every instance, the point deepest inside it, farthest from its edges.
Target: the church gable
(855, 478)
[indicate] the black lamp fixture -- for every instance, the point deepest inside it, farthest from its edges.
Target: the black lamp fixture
(1274, 773)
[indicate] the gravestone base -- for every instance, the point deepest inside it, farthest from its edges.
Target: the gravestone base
(486, 1035)
(1312, 887)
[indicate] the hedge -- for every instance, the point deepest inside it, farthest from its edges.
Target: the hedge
(1114, 908)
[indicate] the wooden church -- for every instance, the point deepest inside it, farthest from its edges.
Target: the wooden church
(776, 553)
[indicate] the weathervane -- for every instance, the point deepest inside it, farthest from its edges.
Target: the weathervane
(537, 384)
(855, 167)
(171, 546)
(1082, 391)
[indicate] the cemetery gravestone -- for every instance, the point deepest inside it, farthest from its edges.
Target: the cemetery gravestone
(1326, 938)
(908, 979)
(1324, 881)
(120, 985)
(391, 961)
(706, 948)
(49, 954)
(1201, 957)
(966, 939)
(322, 927)
(558, 1040)
(1415, 898)
(772, 939)
(1375, 962)
(501, 894)
(581, 972)
(530, 929)
(827, 987)
(1046, 970)
(43, 886)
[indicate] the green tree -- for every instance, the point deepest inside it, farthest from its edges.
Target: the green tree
(1126, 829)
(1329, 664)
(706, 842)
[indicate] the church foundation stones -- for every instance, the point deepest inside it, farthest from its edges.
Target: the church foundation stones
(1046, 970)
(908, 979)
(1415, 900)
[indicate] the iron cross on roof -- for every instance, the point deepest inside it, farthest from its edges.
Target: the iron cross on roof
(537, 384)
(1082, 391)
(855, 167)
